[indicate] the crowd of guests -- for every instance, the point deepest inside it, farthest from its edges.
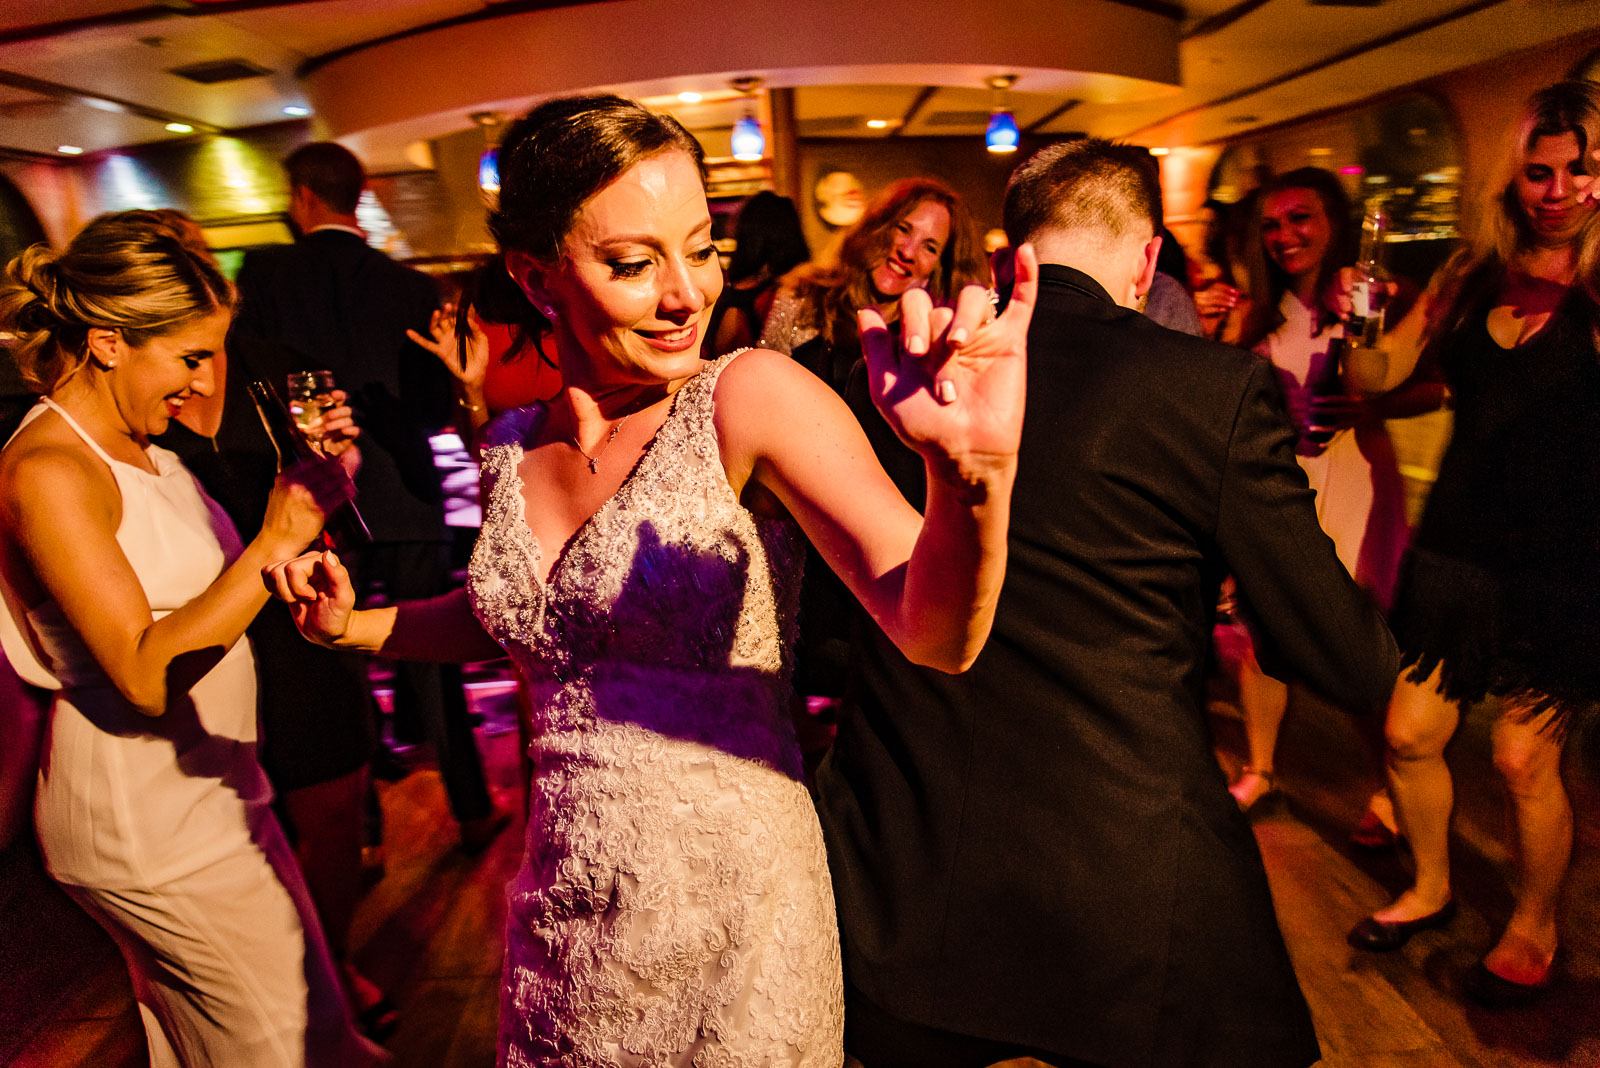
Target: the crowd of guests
(1020, 833)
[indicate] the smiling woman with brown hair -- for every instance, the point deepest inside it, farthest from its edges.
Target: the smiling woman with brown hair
(916, 234)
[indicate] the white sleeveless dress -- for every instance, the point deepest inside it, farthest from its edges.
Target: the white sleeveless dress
(160, 826)
(1360, 496)
(673, 907)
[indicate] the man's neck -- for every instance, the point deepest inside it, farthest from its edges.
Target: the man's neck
(349, 227)
(1109, 264)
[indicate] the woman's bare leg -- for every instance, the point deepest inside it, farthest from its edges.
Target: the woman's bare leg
(1420, 723)
(1263, 700)
(1529, 759)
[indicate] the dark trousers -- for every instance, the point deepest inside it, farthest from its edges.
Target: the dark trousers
(428, 695)
(879, 1039)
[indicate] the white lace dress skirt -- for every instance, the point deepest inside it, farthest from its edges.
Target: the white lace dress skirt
(674, 906)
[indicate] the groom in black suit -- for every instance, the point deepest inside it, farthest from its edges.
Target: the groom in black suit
(1040, 857)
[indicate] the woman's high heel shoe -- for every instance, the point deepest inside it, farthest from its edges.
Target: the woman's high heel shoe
(1385, 935)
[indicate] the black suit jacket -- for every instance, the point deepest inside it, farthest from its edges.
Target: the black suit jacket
(337, 304)
(1043, 850)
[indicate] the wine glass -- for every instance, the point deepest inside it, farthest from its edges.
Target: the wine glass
(310, 397)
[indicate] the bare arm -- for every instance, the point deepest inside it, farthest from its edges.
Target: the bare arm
(441, 629)
(469, 371)
(61, 512)
(931, 581)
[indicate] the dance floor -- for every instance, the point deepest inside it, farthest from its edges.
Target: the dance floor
(429, 931)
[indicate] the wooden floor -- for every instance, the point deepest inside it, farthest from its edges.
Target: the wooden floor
(430, 931)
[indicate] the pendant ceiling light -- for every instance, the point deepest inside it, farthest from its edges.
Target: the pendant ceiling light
(1002, 134)
(749, 143)
(489, 162)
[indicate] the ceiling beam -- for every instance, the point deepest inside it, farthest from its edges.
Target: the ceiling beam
(67, 92)
(40, 30)
(1155, 7)
(492, 9)
(924, 95)
(1051, 116)
(1223, 19)
(1322, 64)
(147, 13)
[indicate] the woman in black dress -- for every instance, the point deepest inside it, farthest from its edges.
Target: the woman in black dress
(1501, 592)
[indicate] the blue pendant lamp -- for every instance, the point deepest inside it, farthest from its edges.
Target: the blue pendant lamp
(749, 143)
(489, 162)
(1002, 135)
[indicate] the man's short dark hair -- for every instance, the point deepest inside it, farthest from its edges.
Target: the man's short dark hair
(330, 171)
(1086, 184)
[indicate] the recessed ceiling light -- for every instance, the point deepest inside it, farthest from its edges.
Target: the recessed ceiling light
(69, 150)
(104, 105)
(1160, 151)
(179, 127)
(296, 111)
(689, 97)
(878, 124)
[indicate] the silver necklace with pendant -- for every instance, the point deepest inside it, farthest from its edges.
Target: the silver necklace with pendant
(594, 461)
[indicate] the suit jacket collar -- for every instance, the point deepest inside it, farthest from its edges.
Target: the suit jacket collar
(1061, 280)
(334, 235)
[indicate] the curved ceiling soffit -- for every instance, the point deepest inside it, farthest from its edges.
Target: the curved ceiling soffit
(1100, 47)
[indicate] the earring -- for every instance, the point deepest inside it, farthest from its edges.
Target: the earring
(549, 313)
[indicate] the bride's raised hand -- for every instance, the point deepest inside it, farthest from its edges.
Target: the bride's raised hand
(318, 591)
(953, 387)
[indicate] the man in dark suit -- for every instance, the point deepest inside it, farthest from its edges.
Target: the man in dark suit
(1040, 857)
(338, 304)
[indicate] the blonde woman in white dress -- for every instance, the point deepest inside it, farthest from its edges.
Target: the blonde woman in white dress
(133, 591)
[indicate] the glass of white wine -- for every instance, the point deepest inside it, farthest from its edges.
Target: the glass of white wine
(310, 397)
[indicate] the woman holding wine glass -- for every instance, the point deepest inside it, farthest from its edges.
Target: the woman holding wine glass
(1500, 593)
(133, 589)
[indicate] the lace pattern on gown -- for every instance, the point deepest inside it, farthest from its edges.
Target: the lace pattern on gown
(673, 907)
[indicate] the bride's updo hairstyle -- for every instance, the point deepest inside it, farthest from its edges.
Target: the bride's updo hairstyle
(131, 271)
(551, 162)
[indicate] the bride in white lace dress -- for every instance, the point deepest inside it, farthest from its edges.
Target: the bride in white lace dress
(639, 560)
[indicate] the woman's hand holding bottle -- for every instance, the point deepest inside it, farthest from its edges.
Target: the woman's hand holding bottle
(1364, 368)
(301, 498)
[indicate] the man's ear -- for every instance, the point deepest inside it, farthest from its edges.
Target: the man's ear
(1147, 269)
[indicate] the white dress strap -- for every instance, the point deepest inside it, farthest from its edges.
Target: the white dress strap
(94, 446)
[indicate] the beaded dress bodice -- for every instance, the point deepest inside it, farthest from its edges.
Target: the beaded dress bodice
(673, 906)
